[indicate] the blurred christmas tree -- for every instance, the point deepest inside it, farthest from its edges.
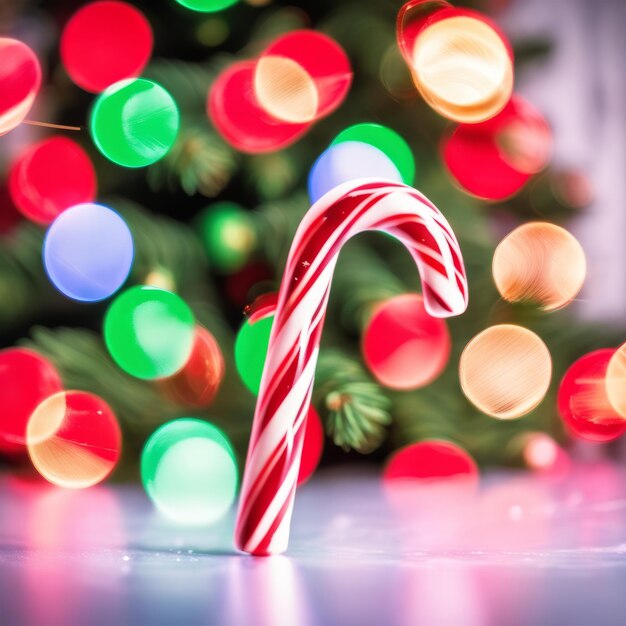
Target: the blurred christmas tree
(163, 205)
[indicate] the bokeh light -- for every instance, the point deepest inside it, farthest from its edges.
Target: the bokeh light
(240, 120)
(20, 79)
(251, 349)
(149, 332)
(74, 439)
(104, 42)
(227, 234)
(26, 380)
(346, 161)
(403, 346)
(462, 66)
(386, 140)
(198, 382)
(189, 471)
(88, 252)
(583, 402)
(495, 159)
(505, 371)
(319, 57)
(285, 90)
(51, 176)
(312, 446)
(413, 17)
(134, 122)
(431, 460)
(542, 454)
(616, 380)
(252, 279)
(541, 263)
(207, 6)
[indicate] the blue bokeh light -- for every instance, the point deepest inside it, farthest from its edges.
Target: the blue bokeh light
(88, 252)
(347, 161)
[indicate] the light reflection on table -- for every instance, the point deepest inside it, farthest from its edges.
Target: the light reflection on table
(521, 550)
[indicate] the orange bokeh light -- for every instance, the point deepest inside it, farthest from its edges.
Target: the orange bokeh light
(505, 371)
(539, 262)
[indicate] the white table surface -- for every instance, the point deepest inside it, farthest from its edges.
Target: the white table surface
(522, 550)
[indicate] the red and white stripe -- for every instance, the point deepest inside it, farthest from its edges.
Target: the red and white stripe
(271, 471)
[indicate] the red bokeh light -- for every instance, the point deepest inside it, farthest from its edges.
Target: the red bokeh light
(429, 461)
(26, 379)
(245, 284)
(104, 42)
(74, 439)
(416, 15)
(312, 447)
(50, 177)
(495, 158)
(262, 306)
(413, 17)
(403, 346)
(583, 402)
(20, 79)
(198, 382)
(323, 59)
(240, 120)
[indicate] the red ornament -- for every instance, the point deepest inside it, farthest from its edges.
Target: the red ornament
(583, 401)
(26, 379)
(494, 159)
(51, 176)
(403, 346)
(20, 79)
(312, 446)
(198, 382)
(240, 120)
(104, 42)
(431, 460)
(74, 439)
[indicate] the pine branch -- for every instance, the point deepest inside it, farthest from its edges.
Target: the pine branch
(275, 174)
(354, 407)
(84, 363)
(276, 223)
(24, 286)
(199, 162)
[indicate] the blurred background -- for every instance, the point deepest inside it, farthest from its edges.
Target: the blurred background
(568, 64)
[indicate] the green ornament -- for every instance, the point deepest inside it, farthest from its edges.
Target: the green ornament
(251, 350)
(387, 141)
(134, 122)
(149, 332)
(227, 233)
(207, 6)
(189, 471)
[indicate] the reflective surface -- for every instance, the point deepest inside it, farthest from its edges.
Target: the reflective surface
(522, 550)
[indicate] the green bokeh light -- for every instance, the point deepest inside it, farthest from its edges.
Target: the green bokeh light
(149, 332)
(227, 234)
(134, 122)
(189, 470)
(251, 349)
(207, 6)
(386, 140)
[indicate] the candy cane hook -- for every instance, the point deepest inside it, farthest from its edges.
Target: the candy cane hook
(271, 471)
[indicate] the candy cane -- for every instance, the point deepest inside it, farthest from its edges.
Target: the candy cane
(271, 471)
